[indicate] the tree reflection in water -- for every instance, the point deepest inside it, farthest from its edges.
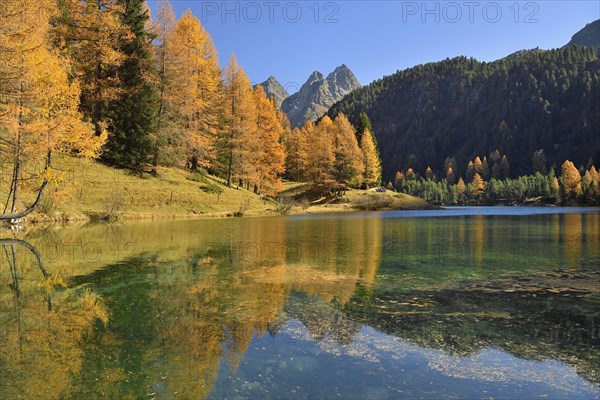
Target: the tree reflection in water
(43, 325)
(197, 299)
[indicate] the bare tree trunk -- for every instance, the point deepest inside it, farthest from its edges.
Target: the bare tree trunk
(13, 216)
(230, 168)
(158, 139)
(232, 127)
(160, 109)
(17, 171)
(194, 163)
(17, 164)
(9, 195)
(97, 106)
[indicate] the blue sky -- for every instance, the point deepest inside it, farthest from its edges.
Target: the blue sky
(290, 39)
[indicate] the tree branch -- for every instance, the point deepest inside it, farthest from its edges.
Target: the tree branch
(30, 247)
(17, 215)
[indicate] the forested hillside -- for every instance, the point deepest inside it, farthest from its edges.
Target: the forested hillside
(463, 108)
(102, 79)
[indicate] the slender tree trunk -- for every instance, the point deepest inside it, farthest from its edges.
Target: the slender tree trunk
(17, 171)
(9, 195)
(230, 167)
(158, 127)
(14, 216)
(160, 109)
(17, 163)
(97, 112)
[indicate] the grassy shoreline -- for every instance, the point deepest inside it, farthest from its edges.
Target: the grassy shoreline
(91, 191)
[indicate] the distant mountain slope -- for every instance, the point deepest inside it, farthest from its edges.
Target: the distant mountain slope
(588, 36)
(274, 89)
(523, 53)
(318, 94)
(462, 108)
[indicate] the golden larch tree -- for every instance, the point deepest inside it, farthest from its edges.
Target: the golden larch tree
(588, 185)
(89, 33)
(239, 113)
(296, 143)
(286, 126)
(211, 93)
(477, 186)
(348, 157)
(269, 155)
(555, 187)
(591, 176)
(321, 156)
(193, 91)
(587, 180)
(163, 49)
(478, 166)
(39, 104)
(594, 174)
(571, 179)
(460, 186)
(371, 160)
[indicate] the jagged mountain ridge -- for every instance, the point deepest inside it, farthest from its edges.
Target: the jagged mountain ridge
(318, 94)
(275, 90)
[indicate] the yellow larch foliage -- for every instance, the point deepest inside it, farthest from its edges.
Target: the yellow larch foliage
(571, 179)
(239, 112)
(348, 156)
(321, 157)
(192, 89)
(478, 185)
(372, 162)
(39, 104)
(89, 33)
(460, 186)
(270, 153)
(297, 151)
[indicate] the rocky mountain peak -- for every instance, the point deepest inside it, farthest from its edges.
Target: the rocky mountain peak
(275, 90)
(316, 76)
(318, 94)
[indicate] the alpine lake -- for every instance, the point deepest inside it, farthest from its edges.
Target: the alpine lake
(498, 302)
